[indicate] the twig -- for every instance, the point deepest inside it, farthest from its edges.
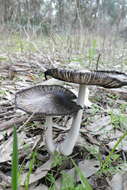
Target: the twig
(28, 119)
(16, 121)
(97, 64)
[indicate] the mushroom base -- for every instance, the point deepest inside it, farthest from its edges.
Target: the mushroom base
(67, 146)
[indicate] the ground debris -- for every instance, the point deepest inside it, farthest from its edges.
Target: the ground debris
(98, 134)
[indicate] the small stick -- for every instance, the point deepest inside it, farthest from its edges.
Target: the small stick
(16, 121)
(98, 61)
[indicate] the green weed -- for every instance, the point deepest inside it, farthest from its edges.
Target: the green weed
(113, 96)
(110, 158)
(51, 179)
(95, 109)
(123, 108)
(58, 159)
(118, 120)
(3, 92)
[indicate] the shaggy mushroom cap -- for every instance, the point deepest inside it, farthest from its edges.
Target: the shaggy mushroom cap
(106, 79)
(47, 100)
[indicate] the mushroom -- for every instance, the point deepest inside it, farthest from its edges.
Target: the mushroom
(49, 101)
(106, 79)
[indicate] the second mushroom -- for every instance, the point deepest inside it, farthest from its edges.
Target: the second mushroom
(47, 101)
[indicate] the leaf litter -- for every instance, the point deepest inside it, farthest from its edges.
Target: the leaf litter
(97, 127)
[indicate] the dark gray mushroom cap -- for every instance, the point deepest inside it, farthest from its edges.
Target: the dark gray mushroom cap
(47, 100)
(106, 79)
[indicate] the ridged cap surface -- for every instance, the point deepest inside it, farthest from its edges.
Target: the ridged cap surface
(106, 79)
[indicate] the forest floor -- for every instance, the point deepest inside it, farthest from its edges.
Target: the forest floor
(101, 150)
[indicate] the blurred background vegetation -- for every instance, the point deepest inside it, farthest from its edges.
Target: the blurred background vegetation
(76, 30)
(65, 16)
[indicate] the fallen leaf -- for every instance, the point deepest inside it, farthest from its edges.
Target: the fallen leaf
(119, 181)
(38, 174)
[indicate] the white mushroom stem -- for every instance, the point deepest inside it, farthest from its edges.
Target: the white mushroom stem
(48, 135)
(87, 103)
(67, 146)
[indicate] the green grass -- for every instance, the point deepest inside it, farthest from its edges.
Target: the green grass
(92, 51)
(18, 44)
(31, 166)
(58, 159)
(68, 182)
(118, 120)
(3, 92)
(111, 156)
(2, 58)
(16, 173)
(15, 161)
(84, 180)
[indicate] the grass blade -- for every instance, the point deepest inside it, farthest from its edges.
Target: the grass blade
(15, 161)
(31, 166)
(83, 179)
